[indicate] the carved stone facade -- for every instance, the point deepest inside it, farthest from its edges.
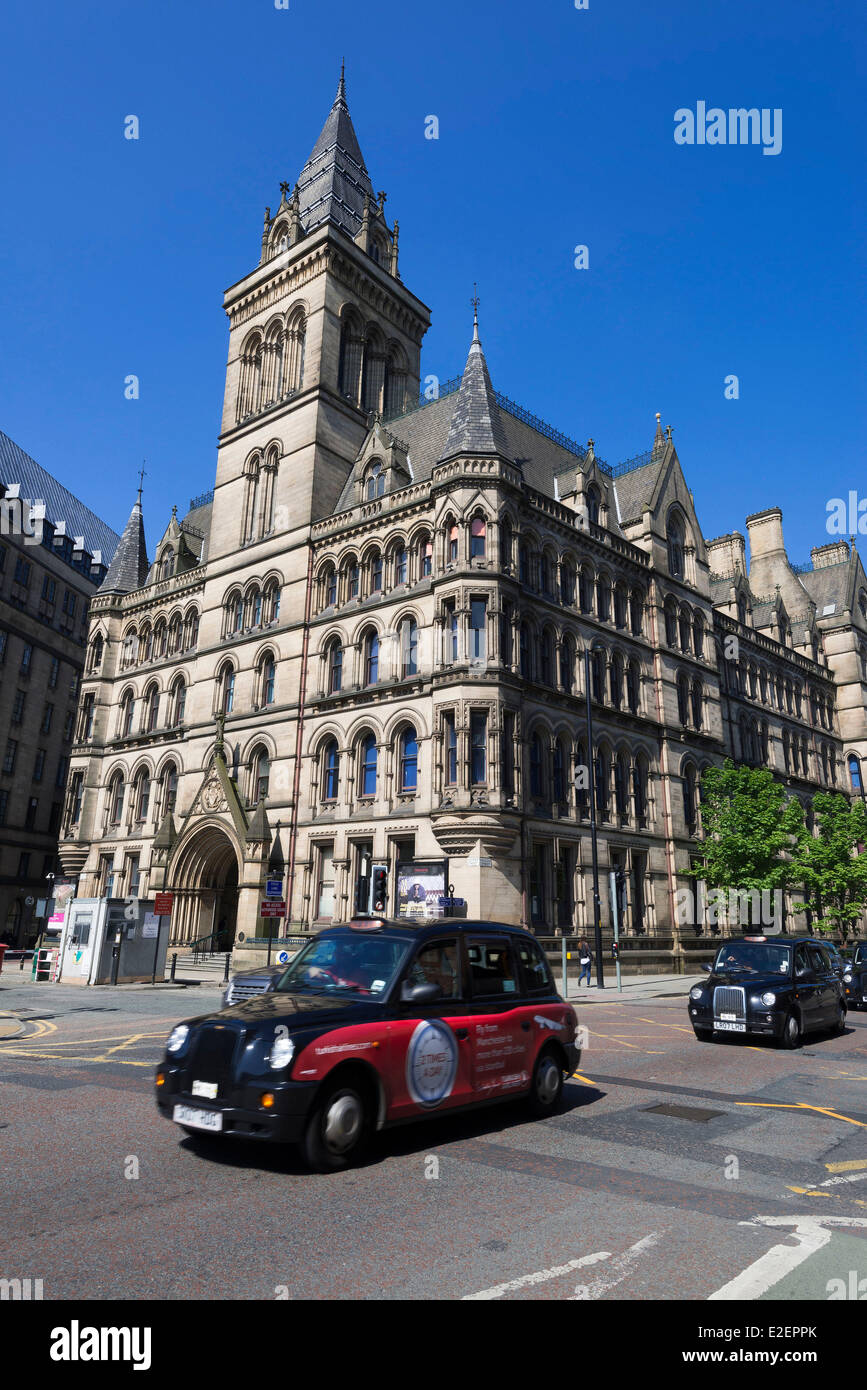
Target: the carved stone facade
(367, 648)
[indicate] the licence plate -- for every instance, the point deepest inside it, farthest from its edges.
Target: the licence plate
(730, 1018)
(197, 1119)
(206, 1089)
(729, 1027)
(864, 998)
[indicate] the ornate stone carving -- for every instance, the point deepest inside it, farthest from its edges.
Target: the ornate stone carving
(212, 797)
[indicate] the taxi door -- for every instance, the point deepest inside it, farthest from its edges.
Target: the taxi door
(429, 1049)
(502, 1032)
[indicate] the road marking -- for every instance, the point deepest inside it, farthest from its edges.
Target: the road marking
(811, 1233)
(658, 1023)
(801, 1105)
(622, 1266)
(845, 1177)
(540, 1277)
(576, 1076)
(848, 1167)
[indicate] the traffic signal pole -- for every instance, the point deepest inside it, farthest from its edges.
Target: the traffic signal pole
(597, 918)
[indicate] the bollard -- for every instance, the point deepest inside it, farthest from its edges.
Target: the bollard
(21, 962)
(226, 971)
(174, 964)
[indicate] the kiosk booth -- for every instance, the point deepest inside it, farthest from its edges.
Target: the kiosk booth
(112, 941)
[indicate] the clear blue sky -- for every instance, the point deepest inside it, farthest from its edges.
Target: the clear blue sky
(556, 128)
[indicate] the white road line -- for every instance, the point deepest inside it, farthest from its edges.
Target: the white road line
(849, 1177)
(540, 1277)
(621, 1267)
(811, 1233)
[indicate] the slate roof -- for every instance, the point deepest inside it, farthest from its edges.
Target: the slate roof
(129, 567)
(333, 182)
(196, 527)
(635, 490)
(60, 504)
(830, 584)
(475, 426)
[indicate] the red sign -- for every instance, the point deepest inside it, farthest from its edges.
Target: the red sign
(163, 904)
(273, 908)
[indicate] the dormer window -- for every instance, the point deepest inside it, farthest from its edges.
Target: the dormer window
(375, 481)
(675, 547)
(593, 500)
(167, 564)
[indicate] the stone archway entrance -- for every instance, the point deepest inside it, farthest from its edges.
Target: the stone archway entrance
(204, 880)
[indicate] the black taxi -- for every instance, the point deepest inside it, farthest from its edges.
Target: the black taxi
(772, 986)
(375, 1023)
(855, 978)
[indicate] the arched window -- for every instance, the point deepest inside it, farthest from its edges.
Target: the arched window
(603, 598)
(525, 657)
(141, 796)
(191, 630)
(425, 556)
(545, 573)
(371, 658)
(329, 587)
(260, 773)
(585, 589)
(226, 689)
(251, 499)
(168, 789)
(175, 635)
(478, 538)
(567, 663)
(335, 666)
(272, 602)
(96, 653)
(130, 649)
(506, 542)
(452, 542)
(854, 772)
(636, 612)
(787, 757)
(161, 637)
(601, 764)
(167, 563)
(127, 714)
(639, 790)
(742, 610)
(152, 706)
(146, 644)
(401, 565)
(698, 634)
(408, 648)
(581, 779)
(676, 535)
(408, 761)
(331, 770)
(690, 813)
(620, 606)
(267, 675)
(616, 680)
(524, 563)
(593, 499)
(546, 658)
(178, 702)
(597, 675)
(698, 704)
(296, 334)
(536, 766)
(633, 686)
(368, 765)
(621, 787)
(683, 698)
(685, 628)
(567, 582)
(375, 567)
(670, 622)
(374, 484)
(115, 798)
(560, 761)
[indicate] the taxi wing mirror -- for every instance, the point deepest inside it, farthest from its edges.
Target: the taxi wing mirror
(707, 968)
(419, 994)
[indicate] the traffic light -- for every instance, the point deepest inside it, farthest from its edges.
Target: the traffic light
(380, 889)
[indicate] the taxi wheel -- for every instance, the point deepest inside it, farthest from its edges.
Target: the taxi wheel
(546, 1087)
(840, 1022)
(337, 1129)
(791, 1032)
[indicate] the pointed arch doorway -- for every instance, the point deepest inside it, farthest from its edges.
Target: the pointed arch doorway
(204, 879)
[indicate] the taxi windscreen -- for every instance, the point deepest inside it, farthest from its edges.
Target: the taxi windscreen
(364, 965)
(754, 958)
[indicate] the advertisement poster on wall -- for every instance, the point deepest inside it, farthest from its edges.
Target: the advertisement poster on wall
(420, 887)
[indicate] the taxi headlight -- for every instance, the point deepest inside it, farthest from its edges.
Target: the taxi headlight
(769, 999)
(282, 1052)
(696, 992)
(178, 1038)
(848, 979)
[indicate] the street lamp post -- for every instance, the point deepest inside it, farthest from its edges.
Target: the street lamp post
(597, 920)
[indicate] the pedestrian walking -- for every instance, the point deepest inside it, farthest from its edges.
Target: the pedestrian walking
(585, 960)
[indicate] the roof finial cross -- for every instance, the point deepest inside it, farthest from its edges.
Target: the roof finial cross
(284, 188)
(141, 477)
(475, 302)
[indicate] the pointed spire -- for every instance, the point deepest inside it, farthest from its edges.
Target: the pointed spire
(259, 831)
(166, 835)
(129, 567)
(476, 427)
(333, 183)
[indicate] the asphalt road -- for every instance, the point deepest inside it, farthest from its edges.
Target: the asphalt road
(755, 1185)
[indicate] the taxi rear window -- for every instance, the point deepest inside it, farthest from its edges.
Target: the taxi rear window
(492, 967)
(534, 968)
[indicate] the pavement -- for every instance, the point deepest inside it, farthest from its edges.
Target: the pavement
(634, 989)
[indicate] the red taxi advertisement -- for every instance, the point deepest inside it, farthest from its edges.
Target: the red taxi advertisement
(375, 1023)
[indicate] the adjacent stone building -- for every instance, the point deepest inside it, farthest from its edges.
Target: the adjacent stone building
(359, 664)
(53, 556)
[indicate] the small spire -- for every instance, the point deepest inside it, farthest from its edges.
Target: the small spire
(658, 440)
(141, 477)
(475, 302)
(668, 433)
(340, 99)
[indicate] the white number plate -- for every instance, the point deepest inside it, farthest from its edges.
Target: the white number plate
(197, 1119)
(731, 1018)
(730, 1027)
(206, 1089)
(864, 998)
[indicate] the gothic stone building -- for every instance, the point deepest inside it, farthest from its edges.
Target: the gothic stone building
(359, 664)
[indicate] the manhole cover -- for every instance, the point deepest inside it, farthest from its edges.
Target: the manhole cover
(685, 1112)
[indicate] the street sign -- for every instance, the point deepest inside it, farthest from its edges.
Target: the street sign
(272, 908)
(282, 957)
(151, 924)
(163, 904)
(274, 888)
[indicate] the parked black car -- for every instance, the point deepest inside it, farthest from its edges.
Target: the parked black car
(855, 978)
(776, 987)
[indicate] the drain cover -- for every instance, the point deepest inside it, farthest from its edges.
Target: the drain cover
(685, 1112)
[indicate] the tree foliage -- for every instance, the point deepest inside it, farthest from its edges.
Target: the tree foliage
(829, 865)
(751, 829)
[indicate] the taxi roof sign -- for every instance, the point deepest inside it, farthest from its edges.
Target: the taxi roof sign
(366, 924)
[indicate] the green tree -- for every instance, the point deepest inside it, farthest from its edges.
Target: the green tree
(830, 865)
(751, 829)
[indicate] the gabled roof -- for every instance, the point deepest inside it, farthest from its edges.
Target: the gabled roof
(334, 181)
